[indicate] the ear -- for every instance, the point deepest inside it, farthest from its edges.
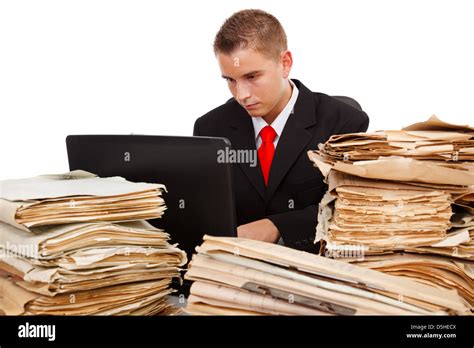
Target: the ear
(286, 60)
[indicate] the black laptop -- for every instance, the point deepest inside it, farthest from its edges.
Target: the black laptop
(200, 196)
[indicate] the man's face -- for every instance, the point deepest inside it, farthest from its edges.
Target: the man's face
(257, 82)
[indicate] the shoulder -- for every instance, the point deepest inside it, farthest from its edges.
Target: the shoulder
(218, 117)
(331, 104)
(330, 110)
(340, 113)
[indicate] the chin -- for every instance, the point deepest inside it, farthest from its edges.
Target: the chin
(256, 113)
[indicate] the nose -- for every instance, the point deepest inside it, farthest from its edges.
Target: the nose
(243, 92)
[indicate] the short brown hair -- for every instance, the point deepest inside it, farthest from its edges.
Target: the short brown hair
(256, 29)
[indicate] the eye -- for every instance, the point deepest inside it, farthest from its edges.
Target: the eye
(228, 79)
(251, 77)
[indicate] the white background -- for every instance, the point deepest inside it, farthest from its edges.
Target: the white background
(147, 67)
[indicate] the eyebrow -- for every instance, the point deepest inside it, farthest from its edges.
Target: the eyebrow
(255, 72)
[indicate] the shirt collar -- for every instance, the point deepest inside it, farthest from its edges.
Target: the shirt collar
(279, 123)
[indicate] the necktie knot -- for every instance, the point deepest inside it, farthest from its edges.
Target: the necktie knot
(268, 134)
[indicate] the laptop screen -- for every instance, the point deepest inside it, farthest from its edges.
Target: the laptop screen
(200, 197)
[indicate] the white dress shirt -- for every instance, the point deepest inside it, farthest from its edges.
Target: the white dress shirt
(279, 123)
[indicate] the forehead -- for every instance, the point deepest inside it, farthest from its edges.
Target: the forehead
(242, 61)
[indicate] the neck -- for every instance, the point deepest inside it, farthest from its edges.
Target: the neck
(272, 115)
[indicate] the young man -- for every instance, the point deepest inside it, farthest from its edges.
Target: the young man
(281, 118)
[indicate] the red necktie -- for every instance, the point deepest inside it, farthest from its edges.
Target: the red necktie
(266, 150)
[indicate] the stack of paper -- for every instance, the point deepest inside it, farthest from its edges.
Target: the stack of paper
(360, 219)
(235, 276)
(459, 241)
(382, 215)
(429, 269)
(77, 197)
(141, 298)
(431, 140)
(430, 154)
(94, 267)
(381, 206)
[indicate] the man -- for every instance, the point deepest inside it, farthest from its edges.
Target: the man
(281, 118)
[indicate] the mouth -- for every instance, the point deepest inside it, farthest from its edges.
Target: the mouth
(251, 106)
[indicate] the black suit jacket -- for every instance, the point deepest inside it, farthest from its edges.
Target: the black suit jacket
(295, 187)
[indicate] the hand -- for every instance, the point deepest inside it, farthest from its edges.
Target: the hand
(263, 230)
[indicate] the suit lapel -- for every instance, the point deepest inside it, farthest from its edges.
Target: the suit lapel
(243, 138)
(294, 138)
